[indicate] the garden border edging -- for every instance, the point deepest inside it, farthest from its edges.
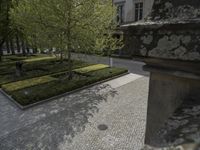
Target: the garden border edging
(61, 95)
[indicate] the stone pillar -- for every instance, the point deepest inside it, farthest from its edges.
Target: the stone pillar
(168, 42)
(169, 87)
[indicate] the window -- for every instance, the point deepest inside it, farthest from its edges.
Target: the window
(138, 11)
(120, 13)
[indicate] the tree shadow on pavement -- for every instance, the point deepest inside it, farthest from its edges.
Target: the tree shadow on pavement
(61, 125)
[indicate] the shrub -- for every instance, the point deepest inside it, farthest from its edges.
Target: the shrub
(36, 69)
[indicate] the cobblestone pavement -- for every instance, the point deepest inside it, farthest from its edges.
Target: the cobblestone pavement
(190, 146)
(110, 116)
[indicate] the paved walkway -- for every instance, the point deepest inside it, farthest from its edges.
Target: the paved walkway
(110, 116)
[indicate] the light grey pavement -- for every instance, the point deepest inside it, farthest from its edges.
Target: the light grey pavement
(133, 66)
(71, 123)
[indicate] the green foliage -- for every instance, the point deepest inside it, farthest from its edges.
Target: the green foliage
(34, 68)
(27, 83)
(5, 70)
(15, 58)
(67, 25)
(44, 79)
(4, 19)
(91, 68)
(10, 60)
(107, 73)
(47, 90)
(8, 65)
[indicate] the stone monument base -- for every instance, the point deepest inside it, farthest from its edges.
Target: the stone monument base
(171, 83)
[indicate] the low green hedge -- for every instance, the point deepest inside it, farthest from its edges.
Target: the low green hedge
(13, 86)
(12, 59)
(17, 58)
(4, 70)
(7, 67)
(37, 69)
(47, 90)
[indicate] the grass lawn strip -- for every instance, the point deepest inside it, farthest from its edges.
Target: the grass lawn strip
(27, 83)
(40, 92)
(91, 68)
(39, 59)
(13, 86)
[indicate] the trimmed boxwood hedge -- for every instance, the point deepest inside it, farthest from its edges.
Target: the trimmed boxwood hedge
(36, 69)
(11, 59)
(44, 91)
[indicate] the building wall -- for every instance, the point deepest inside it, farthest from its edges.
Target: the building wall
(129, 8)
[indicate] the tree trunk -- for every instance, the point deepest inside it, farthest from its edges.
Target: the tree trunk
(18, 44)
(34, 50)
(7, 47)
(110, 61)
(27, 49)
(19, 69)
(1, 49)
(69, 43)
(70, 63)
(12, 47)
(1, 52)
(23, 48)
(61, 56)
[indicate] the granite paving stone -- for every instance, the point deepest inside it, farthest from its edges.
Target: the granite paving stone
(72, 122)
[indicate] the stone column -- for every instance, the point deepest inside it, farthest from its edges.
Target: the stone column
(168, 41)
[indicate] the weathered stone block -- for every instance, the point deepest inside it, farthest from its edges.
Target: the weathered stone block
(168, 41)
(171, 31)
(164, 41)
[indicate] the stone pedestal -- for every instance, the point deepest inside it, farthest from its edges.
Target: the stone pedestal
(168, 41)
(171, 83)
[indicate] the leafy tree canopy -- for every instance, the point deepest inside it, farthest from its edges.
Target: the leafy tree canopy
(4, 20)
(67, 24)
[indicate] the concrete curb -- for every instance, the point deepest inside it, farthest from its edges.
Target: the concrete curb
(61, 95)
(11, 99)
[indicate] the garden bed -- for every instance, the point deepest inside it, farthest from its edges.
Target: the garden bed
(47, 79)
(35, 67)
(58, 87)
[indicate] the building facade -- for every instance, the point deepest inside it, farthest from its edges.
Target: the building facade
(132, 10)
